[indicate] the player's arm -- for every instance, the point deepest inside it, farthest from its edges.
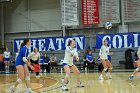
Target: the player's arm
(100, 52)
(29, 57)
(76, 54)
(138, 52)
(24, 58)
(69, 50)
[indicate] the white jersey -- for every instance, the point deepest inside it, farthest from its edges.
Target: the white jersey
(138, 52)
(104, 51)
(34, 56)
(69, 54)
(7, 54)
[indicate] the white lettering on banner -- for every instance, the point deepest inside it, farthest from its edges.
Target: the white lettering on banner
(18, 43)
(126, 42)
(59, 41)
(51, 44)
(41, 44)
(79, 41)
(115, 41)
(105, 37)
(33, 43)
(135, 40)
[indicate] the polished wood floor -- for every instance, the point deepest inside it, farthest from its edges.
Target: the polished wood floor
(50, 83)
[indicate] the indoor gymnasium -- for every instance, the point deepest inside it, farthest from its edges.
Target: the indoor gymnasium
(69, 46)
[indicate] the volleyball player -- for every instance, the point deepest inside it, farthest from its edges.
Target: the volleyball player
(21, 66)
(131, 77)
(7, 60)
(104, 52)
(34, 58)
(68, 65)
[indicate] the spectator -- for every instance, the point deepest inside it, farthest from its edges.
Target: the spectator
(89, 62)
(46, 60)
(84, 58)
(53, 61)
(1, 58)
(2, 66)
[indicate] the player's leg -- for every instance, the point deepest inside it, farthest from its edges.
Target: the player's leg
(27, 79)
(65, 80)
(104, 69)
(6, 69)
(20, 79)
(77, 72)
(135, 71)
(109, 69)
(8, 64)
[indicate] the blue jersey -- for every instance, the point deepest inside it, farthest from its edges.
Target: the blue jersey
(23, 53)
(89, 57)
(46, 59)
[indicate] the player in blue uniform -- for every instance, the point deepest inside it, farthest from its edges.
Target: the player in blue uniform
(131, 77)
(21, 66)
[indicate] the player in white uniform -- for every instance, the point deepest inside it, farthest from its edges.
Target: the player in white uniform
(138, 68)
(7, 60)
(68, 64)
(104, 52)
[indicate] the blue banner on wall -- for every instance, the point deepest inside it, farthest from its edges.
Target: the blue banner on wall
(121, 40)
(51, 43)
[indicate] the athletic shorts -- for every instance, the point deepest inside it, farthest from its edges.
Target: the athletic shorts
(20, 63)
(65, 64)
(7, 59)
(105, 59)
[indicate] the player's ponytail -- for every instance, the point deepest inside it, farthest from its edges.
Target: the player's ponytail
(25, 42)
(69, 42)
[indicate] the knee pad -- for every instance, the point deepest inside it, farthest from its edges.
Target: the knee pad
(137, 69)
(27, 78)
(19, 80)
(67, 76)
(105, 69)
(110, 68)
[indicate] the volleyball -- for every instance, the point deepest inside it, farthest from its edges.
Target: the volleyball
(108, 25)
